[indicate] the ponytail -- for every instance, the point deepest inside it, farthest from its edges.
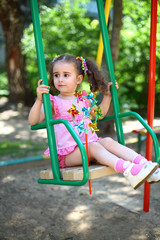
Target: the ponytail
(95, 78)
(84, 67)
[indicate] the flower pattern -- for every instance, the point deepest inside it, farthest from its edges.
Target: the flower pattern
(92, 99)
(86, 112)
(98, 112)
(79, 96)
(80, 127)
(75, 110)
(93, 126)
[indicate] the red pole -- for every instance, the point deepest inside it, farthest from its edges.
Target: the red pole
(151, 95)
(89, 181)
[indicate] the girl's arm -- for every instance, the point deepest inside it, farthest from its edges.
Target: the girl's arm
(105, 104)
(36, 114)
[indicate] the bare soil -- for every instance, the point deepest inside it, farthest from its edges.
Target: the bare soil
(30, 211)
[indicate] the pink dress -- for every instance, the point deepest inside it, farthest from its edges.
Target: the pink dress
(65, 142)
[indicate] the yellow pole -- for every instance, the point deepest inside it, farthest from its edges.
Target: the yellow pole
(100, 47)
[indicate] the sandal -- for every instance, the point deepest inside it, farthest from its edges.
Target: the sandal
(137, 180)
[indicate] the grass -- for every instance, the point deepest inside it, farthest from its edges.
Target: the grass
(19, 148)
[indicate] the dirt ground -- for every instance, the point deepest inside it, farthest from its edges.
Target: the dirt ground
(31, 211)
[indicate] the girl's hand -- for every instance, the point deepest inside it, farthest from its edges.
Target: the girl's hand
(109, 85)
(41, 89)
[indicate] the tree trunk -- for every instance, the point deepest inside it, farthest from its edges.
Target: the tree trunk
(114, 44)
(12, 20)
(117, 24)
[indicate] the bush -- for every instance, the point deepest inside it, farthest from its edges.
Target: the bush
(65, 29)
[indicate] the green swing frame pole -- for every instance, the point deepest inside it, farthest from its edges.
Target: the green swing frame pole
(47, 106)
(109, 63)
(49, 122)
(117, 115)
(43, 75)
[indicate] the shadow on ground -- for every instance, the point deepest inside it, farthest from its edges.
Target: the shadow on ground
(32, 211)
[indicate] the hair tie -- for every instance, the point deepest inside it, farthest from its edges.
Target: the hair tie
(55, 58)
(84, 65)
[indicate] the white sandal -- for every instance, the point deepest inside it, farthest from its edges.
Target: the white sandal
(155, 177)
(137, 180)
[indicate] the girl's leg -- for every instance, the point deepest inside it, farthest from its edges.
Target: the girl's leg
(74, 158)
(96, 151)
(135, 173)
(129, 155)
(118, 149)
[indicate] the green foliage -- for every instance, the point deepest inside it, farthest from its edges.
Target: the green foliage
(3, 84)
(65, 29)
(132, 67)
(19, 148)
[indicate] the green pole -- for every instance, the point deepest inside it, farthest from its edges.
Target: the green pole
(48, 113)
(109, 63)
(21, 160)
(46, 98)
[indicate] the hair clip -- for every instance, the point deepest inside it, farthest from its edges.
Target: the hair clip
(84, 65)
(55, 58)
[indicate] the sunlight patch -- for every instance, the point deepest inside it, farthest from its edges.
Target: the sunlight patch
(8, 179)
(77, 213)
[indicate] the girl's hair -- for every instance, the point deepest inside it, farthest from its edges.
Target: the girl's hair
(95, 79)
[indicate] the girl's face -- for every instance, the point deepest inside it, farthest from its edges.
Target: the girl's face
(66, 78)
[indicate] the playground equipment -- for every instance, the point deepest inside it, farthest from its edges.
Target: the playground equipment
(151, 94)
(142, 135)
(49, 122)
(21, 160)
(100, 46)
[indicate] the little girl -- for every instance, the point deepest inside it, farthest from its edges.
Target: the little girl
(66, 73)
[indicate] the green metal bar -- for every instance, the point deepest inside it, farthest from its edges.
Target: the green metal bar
(48, 112)
(61, 182)
(109, 63)
(43, 125)
(107, 118)
(39, 126)
(46, 99)
(21, 160)
(83, 154)
(79, 143)
(82, 151)
(149, 129)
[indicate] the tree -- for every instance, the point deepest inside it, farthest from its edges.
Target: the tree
(116, 29)
(114, 43)
(133, 63)
(12, 19)
(65, 29)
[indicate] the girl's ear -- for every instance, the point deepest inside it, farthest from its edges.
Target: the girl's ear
(79, 79)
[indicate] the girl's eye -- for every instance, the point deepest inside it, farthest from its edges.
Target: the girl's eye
(55, 75)
(66, 75)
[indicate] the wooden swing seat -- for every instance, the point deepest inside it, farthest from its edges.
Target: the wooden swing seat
(73, 174)
(76, 173)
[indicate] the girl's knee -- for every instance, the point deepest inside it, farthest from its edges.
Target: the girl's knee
(107, 140)
(92, 147)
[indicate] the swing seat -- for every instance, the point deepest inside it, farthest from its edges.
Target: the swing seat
(76, 173)
(49, 124)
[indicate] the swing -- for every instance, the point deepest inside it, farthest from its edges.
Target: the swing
(80, 175)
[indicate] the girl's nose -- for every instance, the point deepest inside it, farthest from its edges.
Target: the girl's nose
(60, 79)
